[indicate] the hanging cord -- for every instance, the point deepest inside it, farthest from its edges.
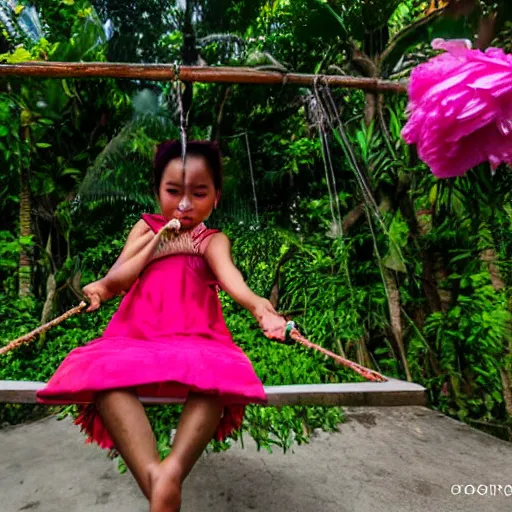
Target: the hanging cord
(183, 117)
(43, 328)
(251, 170)
(252, 177)
(321, 118)
(333, 118)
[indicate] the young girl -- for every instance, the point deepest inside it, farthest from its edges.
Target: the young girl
(168, 338)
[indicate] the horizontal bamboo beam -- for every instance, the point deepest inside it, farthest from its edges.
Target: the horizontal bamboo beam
(169, 72)
(393, 392)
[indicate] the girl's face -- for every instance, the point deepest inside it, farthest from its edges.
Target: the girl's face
(191, 199)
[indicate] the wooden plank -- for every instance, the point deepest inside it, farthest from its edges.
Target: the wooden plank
(391, 393)
(355, 394)
(19, 392)
(204, 74)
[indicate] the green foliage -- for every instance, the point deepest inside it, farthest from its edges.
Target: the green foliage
(10, 248)
(327, 245)
(468, 343)
(274, 363)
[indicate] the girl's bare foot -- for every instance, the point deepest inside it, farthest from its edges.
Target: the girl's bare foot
(165, 491)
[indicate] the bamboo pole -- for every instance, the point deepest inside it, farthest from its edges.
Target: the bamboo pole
(169, 72)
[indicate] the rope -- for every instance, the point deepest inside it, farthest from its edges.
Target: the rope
(292, 333)
(41, 329)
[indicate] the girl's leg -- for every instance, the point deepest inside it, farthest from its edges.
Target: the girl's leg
(127, 423)
(198, 422)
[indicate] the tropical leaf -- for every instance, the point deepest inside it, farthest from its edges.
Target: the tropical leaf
(422, 31)
(120, 172)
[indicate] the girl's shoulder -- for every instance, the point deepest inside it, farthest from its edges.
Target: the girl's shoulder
(153, 220)
(138, 229)
(203, 236)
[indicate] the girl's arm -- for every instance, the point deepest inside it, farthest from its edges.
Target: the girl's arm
(139, 246)
(140, 235)
(218, 256)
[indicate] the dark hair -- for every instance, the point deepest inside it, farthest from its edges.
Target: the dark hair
(171, 149)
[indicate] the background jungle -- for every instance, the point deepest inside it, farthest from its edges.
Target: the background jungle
(331, 215)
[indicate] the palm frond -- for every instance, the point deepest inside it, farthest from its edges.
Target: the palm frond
(121, 172)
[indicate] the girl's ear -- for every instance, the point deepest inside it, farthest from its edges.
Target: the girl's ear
(217, 199)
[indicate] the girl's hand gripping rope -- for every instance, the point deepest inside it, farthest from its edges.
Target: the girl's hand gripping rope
(96, 293)
(272, 325)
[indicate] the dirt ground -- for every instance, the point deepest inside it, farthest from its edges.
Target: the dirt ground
(390, 459)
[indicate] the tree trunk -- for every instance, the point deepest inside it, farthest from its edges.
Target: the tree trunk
(370, 108)
(368, 68)
(441, 273)
(507, 390)
(275, 290)
(352, 217)
(486, 30)
(225, 93)
(488, 256)
(25, 263)
(429, 282)
(363, 356)
(51, 289)
(394, 315)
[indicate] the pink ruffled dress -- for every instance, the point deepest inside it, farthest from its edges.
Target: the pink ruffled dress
(167, 338)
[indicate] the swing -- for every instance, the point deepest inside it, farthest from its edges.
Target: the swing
(379, 391)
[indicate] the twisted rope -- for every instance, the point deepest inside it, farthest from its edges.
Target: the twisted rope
(292, 333)
(41, 329)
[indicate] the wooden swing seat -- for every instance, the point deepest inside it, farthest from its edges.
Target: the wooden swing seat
(393, 392)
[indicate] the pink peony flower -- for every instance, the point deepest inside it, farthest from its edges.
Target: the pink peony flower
(460, 107)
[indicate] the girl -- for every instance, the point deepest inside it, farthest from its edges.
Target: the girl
(168, 338)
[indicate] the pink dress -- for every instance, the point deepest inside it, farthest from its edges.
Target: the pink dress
(167, 338)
